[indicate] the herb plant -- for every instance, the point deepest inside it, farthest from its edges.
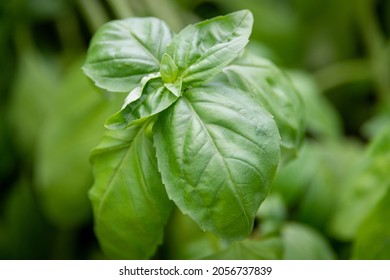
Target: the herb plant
(204, 126)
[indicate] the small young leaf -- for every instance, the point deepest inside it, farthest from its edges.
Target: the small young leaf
(260, 79)
(175, 88)
(154, 99)
(200, 51)
(168, 69)
(136, 93)
(217, 151)
(122, 52)
(129, 201)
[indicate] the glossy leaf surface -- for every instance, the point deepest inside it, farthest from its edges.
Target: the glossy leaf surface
(122, 52)
(217, 151)
(201, 50)
(129, 201)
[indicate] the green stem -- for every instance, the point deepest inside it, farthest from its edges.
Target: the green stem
(121, 8)
(376, 47)
(342, 73)
(93, 13)
(167, 11)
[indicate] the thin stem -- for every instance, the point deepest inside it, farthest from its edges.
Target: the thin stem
(342, 73)
(121, 8)
(376, 47)
(93, 13)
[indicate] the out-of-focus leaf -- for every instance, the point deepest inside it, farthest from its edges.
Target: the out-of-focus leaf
(24, 232)
(35, 88)
(322, 120)
(217, 171)
(62, 171)
(7, 158)
(201, 50)
(301, 242)
(122, 52)
(272, 208)
(366, 185)
(267, 249)
(186, 241)
(372, 241)
(377, 124)
(311, 184)
(269, 86)
(129, 200)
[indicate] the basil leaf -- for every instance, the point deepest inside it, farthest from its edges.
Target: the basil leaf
(217, 151)
(155, 98)
(123, 51)
(129, 201)
(301, 242)
(260, 79)
(365, 186)
(201, 50)
(168, 69)
(373, 238)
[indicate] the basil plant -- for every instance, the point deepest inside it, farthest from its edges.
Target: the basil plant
(204, 127)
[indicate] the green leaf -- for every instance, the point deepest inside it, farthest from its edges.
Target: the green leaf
(200, 51)
(154, 99)
(267, 249)
(373, 238)
(168, 69)
(31, 99)
(322, 119)
(186, 241)
(217, 151)
(122, 52)
(304, 243)
(129, 200)
(24, 232)
(365, 185)
(269, 86)
(62, 172)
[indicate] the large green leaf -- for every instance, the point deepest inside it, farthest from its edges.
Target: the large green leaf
(373, 238)
(260, 79)
(129, 200)
(218, 151)
(201, 50)
(122, 52)
(154, 99)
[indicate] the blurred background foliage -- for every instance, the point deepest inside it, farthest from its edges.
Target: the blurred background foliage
(332, 202)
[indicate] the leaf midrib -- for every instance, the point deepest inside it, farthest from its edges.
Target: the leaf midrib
(221, 157)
